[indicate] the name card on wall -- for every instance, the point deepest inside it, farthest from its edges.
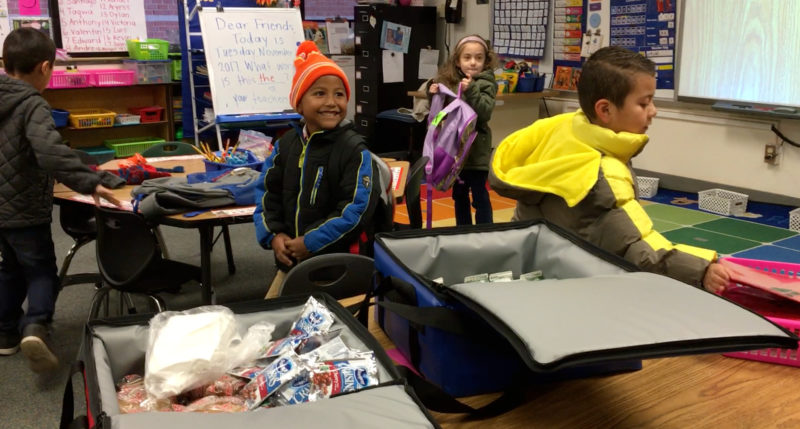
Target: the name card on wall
(250, 57)
(100, 25)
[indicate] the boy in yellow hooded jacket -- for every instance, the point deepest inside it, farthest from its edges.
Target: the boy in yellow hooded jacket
(574, 170)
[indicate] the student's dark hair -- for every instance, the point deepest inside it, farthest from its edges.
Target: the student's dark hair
(450, 74)
(608, 74)
(25, 48)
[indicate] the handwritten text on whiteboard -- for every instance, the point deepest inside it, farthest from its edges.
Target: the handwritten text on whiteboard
(250, 58)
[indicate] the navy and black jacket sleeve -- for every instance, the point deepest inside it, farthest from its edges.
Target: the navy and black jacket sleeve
(268, 216)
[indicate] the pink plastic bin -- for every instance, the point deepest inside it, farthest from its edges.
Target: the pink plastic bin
(112, 77)
(63, 79)
(789, 357)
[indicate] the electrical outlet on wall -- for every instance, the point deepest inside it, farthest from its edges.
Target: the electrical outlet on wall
(771, 154)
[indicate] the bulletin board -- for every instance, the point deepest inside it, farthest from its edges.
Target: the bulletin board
(250, 57)
(520, 27)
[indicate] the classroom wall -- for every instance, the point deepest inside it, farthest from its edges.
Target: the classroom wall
(687, 140)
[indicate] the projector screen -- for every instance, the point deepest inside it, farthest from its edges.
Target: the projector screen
(744, 51)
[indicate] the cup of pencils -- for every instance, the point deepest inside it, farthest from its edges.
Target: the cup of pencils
(228, 159)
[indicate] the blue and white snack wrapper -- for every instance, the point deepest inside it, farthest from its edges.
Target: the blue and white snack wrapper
(271, 378)
(315, 318)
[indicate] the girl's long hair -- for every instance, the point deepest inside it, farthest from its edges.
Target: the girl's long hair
(451, 75)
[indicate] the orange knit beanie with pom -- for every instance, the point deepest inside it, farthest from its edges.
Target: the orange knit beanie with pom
(309, 65)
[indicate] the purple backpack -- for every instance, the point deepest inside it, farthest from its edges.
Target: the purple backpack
(451, 130)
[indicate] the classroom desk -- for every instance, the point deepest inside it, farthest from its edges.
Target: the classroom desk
(700, 391)
(512, 111)
(206, 221)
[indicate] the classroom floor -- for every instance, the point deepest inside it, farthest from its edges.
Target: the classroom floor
(742, 237)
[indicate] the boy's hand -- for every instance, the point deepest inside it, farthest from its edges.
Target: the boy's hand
(716, 278)
(465, 82)
(434, 88)
(281, 251)
(101, 191)
(297, 248)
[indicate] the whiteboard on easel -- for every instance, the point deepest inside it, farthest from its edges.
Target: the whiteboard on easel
(250, 57)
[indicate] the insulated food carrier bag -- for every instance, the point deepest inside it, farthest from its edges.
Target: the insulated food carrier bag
(591, 313)
(112, 348)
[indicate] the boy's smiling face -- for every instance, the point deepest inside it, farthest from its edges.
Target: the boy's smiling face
(324, 104)
(635, 115)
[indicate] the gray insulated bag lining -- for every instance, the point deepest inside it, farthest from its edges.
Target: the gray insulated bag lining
(588, 309)
(115, 347)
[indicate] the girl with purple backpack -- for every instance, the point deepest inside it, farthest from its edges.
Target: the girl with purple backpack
(472, 67)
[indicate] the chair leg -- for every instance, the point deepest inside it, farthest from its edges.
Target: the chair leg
(99, 296)
(62, 273)
(226, 236)
(161, 243)
(160, 305)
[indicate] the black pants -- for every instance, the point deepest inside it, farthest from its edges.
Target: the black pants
(27, 270)
(475, 181)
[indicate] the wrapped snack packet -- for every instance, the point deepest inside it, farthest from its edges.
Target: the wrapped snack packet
(266, 382)
(248, 372)
(295, 392)
(216, 404)
(315, 318)
(281, 346)
(131, 394)
(309, 343)
(334, 377)
(333, 349)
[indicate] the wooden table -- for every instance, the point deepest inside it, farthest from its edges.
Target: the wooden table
(701, 391)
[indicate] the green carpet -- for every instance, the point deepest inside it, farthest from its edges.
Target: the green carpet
(747, 230)
(722, 243)
(663, 226)
(678, 215)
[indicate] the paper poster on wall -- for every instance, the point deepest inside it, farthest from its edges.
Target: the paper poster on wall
(337, 34)
(395, 37)
(5, 25)
(428, 63)
(100, 25)
(392, 66)
(250, 56)
(637, 25)
(41, 24)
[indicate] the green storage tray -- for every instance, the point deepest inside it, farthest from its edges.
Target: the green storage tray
(132, 145)
(101, 153)
(150, 49)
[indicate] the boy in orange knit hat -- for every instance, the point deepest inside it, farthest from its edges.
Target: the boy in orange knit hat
(316, 194)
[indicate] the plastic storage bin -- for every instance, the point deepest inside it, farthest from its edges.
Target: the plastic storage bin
(175, 66)
(155, 71)
(148, 114)
(127, 119)
(150, 49)
(723, 202)
(91, 118)
(112, 77)
(73, 79)
(648, 186)
(794, 219)
(789, 357)
(252, 162)
(60, 117)
(132, 145)
(101, 153)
